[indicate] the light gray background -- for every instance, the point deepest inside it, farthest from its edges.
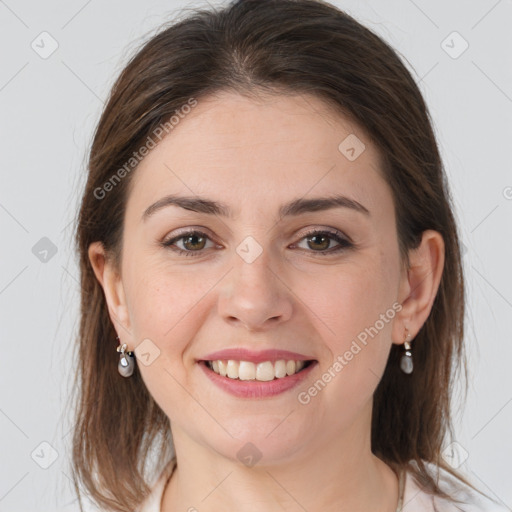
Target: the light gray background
(49, 108)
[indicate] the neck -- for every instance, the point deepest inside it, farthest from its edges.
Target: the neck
(314, 480)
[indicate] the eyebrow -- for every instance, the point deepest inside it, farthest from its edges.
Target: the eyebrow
(293, 208)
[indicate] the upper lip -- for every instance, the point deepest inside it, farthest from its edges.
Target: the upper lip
(243, 354)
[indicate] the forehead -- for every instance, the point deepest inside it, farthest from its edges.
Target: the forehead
(263, 148)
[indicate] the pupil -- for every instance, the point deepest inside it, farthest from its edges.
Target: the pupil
(324, 237)
(191, 237)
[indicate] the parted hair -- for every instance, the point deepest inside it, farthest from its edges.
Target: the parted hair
(280, 47)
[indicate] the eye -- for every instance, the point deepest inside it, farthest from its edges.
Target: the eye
(193, 242)
(320, 240)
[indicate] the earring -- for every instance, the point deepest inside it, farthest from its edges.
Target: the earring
(126, 363)
(406, 364)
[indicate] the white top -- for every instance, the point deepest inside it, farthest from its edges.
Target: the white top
(416, 500)
(412, 498)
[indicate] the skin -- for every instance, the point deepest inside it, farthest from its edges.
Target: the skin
(254, 155)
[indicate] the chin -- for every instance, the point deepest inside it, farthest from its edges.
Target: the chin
(261, 443)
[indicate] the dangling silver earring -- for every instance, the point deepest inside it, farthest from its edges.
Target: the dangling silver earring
(406, 364)
(126, 363)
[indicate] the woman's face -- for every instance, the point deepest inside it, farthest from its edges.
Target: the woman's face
(256, 280)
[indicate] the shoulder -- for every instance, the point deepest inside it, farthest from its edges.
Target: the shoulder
(153, 501)
(417, 500)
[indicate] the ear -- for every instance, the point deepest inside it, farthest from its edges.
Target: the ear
(111, 282)
(418, 285)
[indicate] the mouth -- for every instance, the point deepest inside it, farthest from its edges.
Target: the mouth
(264, 371)
(246, 379)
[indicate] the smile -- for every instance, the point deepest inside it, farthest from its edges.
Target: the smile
(263, 372)
(245, 379)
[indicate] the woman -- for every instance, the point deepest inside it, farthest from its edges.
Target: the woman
(272, 290)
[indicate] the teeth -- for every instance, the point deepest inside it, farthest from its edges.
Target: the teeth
(265, 371)
(233, 367)
(222, 368)
(290, 367)
(246, 370)
(280, 369)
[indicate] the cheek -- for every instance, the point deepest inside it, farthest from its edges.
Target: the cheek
(353, 298)
(165, 303)
(357, 308)
(163, 308)
(157, 302)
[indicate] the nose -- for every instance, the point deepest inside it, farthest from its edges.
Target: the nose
(255, 295)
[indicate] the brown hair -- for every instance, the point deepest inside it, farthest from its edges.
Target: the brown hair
(282, 47)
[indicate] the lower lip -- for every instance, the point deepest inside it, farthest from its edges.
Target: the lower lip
(254, 388)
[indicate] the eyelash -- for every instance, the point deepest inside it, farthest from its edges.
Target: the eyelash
(334, 235)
